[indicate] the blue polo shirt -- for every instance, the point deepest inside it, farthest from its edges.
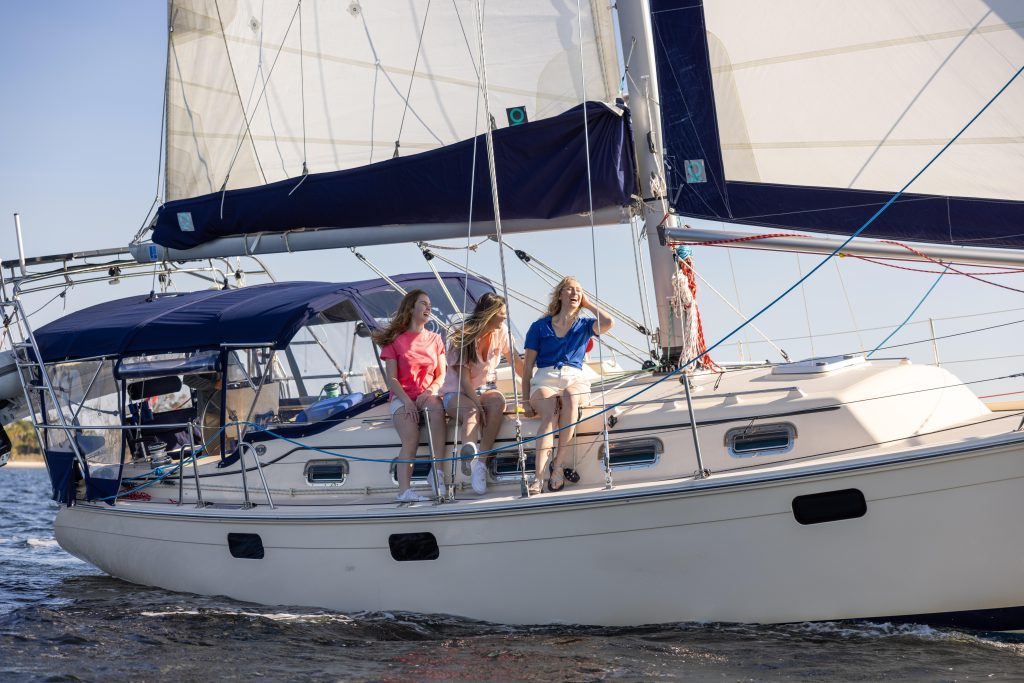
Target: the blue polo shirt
(554, 351)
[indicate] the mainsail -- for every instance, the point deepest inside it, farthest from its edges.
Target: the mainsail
(805, 115)
(262, 93)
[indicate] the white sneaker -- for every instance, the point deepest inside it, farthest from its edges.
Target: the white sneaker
(479, 480)
(410, 496)
(467, 451)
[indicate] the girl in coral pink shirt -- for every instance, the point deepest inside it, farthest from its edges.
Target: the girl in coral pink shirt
(414, 368)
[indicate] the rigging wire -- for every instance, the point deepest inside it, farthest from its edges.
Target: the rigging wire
(739, 304)
(238, 92)
(593, 246)
(909, 315)
(849, 304)
(636, 234)
(489, 139)
(807, 310)
(631, 350)
(302, 101)
(259, 99)
(767, 339)
(469, 244)
(160, 171)
(552, 276)
(380, 67)
(412, 77)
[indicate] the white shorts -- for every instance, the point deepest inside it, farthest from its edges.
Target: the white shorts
(396, 405)
(560, 379)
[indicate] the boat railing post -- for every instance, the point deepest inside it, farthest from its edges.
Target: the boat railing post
(181, 474)
(439, 486)
(195, 468)
(701, 473)
(240, 445)
(244, 446)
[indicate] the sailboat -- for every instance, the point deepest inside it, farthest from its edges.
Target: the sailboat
(189, 450)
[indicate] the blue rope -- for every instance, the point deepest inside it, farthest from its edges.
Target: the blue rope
(911, 314)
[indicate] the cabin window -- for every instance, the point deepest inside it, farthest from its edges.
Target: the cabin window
(767, 439)
(420, 470)
(505, 465)
(326, 472)
(631, 453)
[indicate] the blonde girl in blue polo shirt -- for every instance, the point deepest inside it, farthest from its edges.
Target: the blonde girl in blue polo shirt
(556, 345)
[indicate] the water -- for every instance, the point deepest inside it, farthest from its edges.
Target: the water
(62, 620)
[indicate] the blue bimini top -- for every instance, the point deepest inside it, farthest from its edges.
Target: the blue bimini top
(266, 315)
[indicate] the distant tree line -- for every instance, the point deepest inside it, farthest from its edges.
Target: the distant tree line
(24, 445)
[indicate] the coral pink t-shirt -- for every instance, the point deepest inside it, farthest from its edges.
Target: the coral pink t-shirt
(420, 357)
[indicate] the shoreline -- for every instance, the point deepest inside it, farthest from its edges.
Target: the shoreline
(25, 464)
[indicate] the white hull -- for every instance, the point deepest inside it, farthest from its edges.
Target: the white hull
(722, 549)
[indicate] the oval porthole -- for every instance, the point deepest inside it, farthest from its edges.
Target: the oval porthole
(413, 547)
(830, 506)
(246, 546)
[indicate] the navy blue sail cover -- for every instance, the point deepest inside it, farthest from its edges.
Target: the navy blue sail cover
(691, 132)
(258, 315)
(541, 168)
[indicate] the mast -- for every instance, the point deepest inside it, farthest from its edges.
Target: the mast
(642, 83)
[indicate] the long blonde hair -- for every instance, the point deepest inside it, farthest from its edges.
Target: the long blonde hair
(555, 305)
(465, 337)
(401, 320)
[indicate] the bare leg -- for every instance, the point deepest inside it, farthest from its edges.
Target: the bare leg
(462, 410)
(434, 412)
(544, 402)
(567, 428)
(494, 408)
(409, 434)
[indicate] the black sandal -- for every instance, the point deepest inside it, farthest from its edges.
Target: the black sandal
(571, 475)
(556, 475)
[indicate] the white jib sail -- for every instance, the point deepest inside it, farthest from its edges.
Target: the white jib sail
(879, 87)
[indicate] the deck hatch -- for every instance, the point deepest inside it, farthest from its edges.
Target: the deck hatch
(765, 439)
(830, 506)
(413, 547)
(246, 546)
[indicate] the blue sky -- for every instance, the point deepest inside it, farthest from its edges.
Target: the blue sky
(82, 85)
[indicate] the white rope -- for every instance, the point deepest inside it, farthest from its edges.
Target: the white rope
(489, 139)
(593, 247)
